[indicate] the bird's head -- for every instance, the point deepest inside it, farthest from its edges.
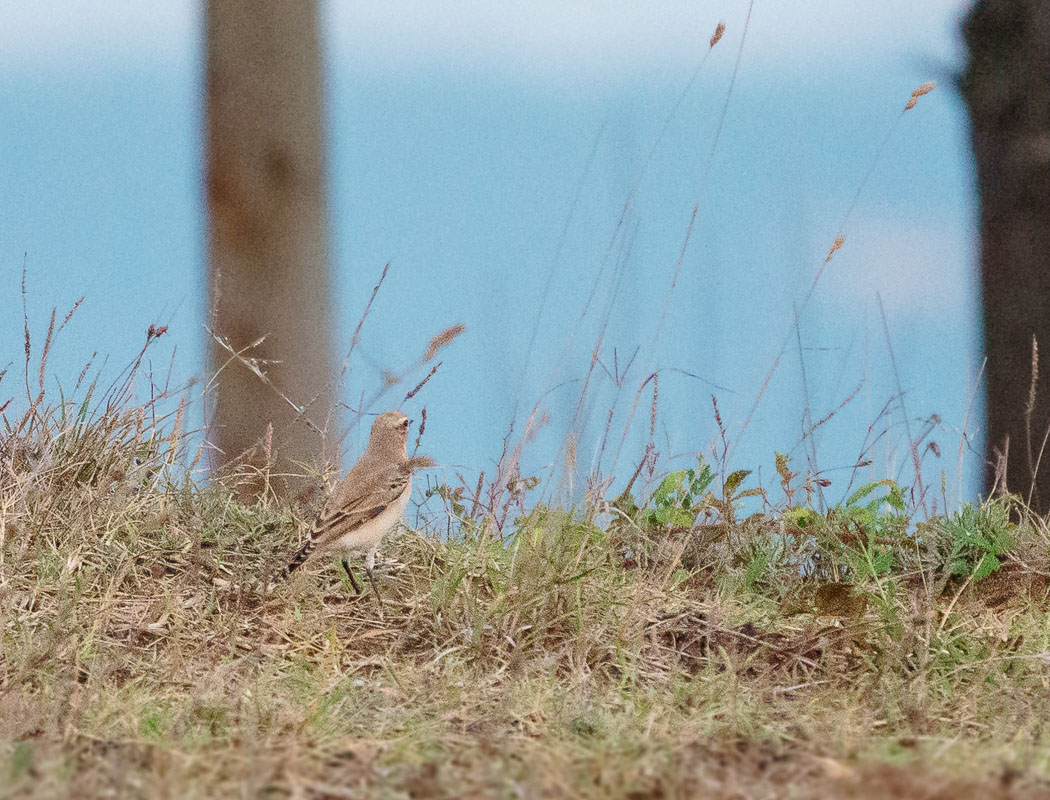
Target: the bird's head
(389, 432)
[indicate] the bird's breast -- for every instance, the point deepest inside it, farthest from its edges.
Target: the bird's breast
(371, 532)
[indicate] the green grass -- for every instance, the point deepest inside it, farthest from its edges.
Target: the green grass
(654, 646)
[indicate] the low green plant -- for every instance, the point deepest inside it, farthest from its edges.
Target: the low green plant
(856, 540)
(683, 497)
(973, 541)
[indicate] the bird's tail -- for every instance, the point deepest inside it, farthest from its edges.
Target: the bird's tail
(300, 558)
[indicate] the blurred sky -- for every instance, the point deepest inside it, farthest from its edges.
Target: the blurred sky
(487, 151)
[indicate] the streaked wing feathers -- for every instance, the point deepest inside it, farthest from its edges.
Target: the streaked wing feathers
(348, 510)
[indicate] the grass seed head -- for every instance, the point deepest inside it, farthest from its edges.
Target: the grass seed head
(839, 240)
(444, 338)
(925, 88)
(718, 33)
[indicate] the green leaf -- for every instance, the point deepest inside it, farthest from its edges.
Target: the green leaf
(896, 497)
(668, 487)
(867, 489)
(733, 481)
(756, 567)
(801, 517)
(882, 563)
(861, 515)
(682, 518)
(703, 479)
(986, 567)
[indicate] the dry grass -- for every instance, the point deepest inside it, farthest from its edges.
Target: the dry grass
(659, 648)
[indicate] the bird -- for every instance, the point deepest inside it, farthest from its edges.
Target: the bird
(368, 502)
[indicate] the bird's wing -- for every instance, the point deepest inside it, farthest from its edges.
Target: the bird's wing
(360, 498)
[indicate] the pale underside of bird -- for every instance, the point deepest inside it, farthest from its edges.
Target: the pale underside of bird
(368, 502)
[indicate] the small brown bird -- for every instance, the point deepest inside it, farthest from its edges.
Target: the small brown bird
(368, 502)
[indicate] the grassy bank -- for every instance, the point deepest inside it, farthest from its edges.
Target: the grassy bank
(658, 645)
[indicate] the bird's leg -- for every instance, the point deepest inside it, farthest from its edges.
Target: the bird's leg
(350, 575)
(370, 563)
